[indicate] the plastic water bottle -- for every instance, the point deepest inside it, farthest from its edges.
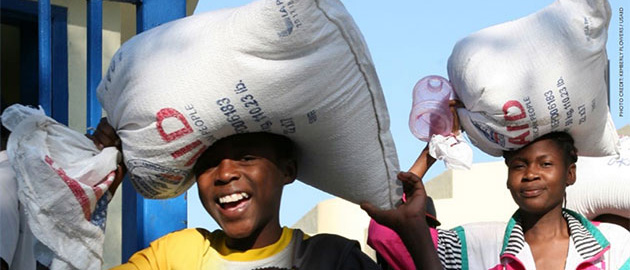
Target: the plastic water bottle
(430, 113)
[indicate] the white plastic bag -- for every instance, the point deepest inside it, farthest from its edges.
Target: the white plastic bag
(544, 72)
(294, 68)
(61, 177)
(453, 150)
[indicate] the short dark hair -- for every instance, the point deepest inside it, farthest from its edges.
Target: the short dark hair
(283, 147)
(563, 140)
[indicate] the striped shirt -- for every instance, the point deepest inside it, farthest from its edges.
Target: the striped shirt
(502, 246)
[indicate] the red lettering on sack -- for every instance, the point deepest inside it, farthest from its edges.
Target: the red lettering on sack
(510, 104)
(520, 139)
(192, 159)
(182, 151)
(168, 113)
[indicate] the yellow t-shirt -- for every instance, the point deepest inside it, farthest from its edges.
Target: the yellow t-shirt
(199, 249)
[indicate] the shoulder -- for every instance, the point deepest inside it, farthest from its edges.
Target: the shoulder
(615, 234)
(188, 234)
(602, 231)
(613, 230)
(479, 233)
(330, 251)
(185, 247)
(329, 239)
(328, 243)
(189, 239)
(472, 246)
(612, 238)
(619, 242)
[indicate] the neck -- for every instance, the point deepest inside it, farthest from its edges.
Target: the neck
(548, 225)
(259, 238)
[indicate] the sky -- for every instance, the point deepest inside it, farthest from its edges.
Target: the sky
(409, 40)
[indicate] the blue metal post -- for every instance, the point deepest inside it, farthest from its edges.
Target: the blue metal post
(59, 65)
(145, 220)
(45, 70)
(151, 13)
(94, 60)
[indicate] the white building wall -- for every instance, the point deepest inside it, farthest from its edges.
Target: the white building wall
(479, 194)
(338, 216)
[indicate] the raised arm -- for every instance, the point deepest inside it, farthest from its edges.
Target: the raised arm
(408, 220)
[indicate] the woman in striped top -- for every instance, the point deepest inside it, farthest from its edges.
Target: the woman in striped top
(540, 235)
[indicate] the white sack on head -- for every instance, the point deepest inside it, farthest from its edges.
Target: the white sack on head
(62, 178)
(544, 72)
(294, 68)
(602, 185)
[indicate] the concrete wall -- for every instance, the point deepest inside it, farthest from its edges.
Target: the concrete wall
(479, 194)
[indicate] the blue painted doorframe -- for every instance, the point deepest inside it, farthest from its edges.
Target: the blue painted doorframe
(145, 220)
(94, 61)
(43, 47)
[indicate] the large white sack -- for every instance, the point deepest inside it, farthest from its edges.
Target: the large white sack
(295, 68)
(61, 176)
(544, 72)
(602, 185)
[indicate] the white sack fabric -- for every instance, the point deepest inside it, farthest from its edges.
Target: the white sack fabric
(544, 72)
(602, 185)
(16, 239)
(61, 177)
(294, 68)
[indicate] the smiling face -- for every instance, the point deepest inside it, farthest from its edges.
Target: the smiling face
(240, 181)
(538, 175)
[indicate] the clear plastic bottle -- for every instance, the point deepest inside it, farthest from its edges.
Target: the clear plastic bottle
(430, 113)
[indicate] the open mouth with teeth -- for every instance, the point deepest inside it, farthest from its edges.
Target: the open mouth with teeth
(232, 200)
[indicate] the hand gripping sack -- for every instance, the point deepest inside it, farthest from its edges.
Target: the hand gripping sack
(545, 72)
(294, 68)
(61, 177)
